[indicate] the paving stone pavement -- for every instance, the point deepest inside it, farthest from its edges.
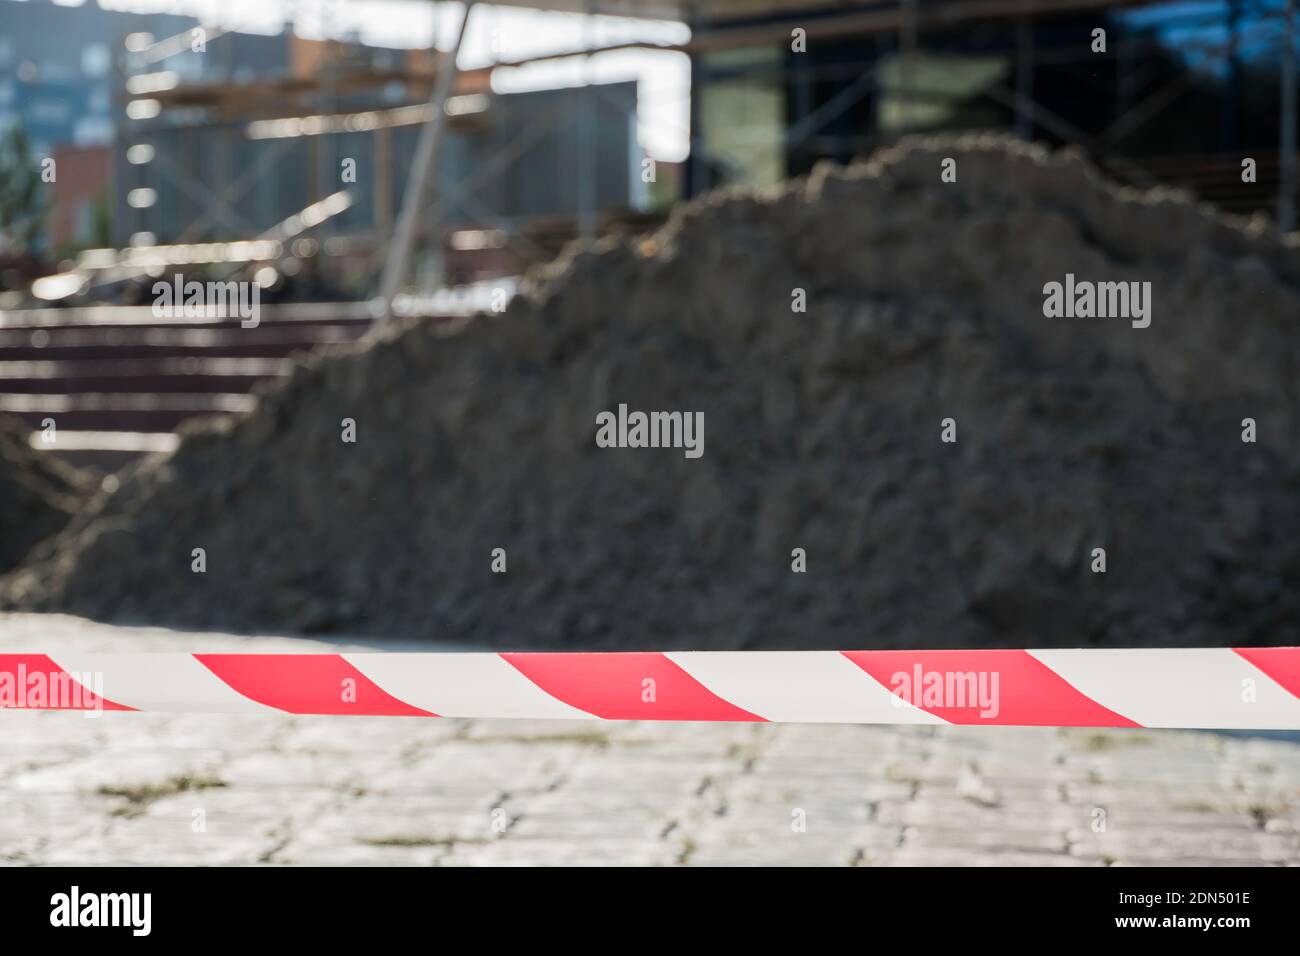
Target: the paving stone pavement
(129, 788)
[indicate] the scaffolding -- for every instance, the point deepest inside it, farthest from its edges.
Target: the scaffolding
(873, 72)
(819, 120)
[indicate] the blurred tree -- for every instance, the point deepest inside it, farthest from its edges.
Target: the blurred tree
(22, 195)
(101, 230)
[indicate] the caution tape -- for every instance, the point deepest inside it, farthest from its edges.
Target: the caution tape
(1246, 688)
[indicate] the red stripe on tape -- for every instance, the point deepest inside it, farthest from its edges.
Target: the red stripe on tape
(307, 684)
(35, 682)
(614, 686)
(1280, 663)
(1016, 689)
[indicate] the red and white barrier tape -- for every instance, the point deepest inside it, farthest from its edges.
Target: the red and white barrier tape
(1248, 688)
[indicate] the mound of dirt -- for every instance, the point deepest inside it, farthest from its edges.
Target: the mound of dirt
(822, 432)
(38, 494)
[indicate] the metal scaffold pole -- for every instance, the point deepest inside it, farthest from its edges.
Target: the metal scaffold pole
(586, 165)
(398, 260)
(1024, 76)
(1286, 195)
(908, 45)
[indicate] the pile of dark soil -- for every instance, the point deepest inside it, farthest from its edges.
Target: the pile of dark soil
(822, 432)
(38, 494)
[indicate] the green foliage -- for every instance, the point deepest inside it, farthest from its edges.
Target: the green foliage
(101, 232)
(23, 199)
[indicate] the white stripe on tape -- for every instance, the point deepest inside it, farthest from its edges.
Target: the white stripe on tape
(462, 685)
(775, 686)
(1177, 688)
(161, 682)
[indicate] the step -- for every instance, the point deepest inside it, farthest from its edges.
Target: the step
(122, 411)
(128, 315)
(67, 441)
(139, 375)
(144, 342)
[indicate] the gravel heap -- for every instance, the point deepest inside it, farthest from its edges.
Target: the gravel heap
(822, 432)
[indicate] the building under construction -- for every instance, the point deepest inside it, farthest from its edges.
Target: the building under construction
(1155, 92)
(209, 147)
(333, 172)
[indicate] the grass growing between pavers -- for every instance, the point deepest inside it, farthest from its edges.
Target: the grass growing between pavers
(587, 738)
(1098, 743)
(422, 841)
(139, 796)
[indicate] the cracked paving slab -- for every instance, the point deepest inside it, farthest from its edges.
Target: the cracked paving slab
(283, 790)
